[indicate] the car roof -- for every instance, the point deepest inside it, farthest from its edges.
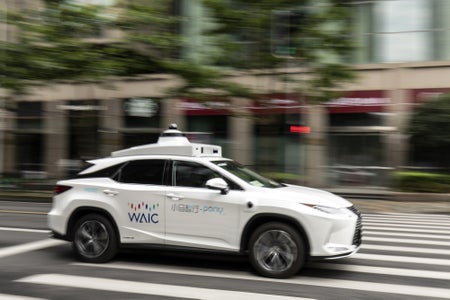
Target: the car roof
(172, 144)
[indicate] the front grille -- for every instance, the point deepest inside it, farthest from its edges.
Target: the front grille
(357, 237)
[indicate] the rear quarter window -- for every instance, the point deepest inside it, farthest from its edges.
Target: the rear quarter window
(142, 172)
(108, 172)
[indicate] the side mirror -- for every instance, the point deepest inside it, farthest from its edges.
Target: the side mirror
(218, 184)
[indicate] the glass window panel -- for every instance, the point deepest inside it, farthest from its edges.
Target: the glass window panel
(401, 47)
(143, 172)
(404, 15)
(404, 30)
(188, 174)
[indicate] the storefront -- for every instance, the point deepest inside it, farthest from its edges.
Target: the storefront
(278, 146)
(274, 147)
(357, 138)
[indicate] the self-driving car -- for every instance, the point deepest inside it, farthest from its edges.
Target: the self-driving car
(175, 194)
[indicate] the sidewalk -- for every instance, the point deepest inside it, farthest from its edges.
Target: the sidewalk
(378, 200)
(368, 200)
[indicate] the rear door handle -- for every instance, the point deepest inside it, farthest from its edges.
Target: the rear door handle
(175, 197)
(110, 192)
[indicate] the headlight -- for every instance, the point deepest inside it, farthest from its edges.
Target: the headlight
(331, 210)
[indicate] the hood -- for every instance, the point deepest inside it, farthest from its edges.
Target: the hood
(307, 195)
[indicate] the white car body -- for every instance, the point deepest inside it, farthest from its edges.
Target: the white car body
(173, 215)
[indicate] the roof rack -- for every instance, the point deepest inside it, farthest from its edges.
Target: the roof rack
(172, 142)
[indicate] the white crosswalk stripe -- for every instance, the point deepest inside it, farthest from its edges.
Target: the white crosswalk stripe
(14, 297)
(148, 288)
(397, 249)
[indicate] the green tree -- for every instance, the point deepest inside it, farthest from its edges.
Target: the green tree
(318, 34)
(430, 133)
(58, 42)
(61, 41)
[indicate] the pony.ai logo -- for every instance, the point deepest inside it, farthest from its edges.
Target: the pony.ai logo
(143, 212)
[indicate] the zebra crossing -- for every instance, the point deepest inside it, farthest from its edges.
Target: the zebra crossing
(403, 256)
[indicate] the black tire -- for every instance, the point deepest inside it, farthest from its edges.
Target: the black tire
(94, 239)
(276, 250)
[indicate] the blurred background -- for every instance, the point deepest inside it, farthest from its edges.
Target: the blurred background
(322, 93)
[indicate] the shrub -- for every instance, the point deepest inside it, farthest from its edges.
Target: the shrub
(421, 182)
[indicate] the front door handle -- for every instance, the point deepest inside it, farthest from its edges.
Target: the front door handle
(175, 197)
(110, 192)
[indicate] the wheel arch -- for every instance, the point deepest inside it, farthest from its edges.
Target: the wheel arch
(85, 210)
(260, 219)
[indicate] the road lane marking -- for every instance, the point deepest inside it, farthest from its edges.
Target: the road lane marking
(443, 217)
(406, 241)
(210, 294)
(15, 297)
(28, 247)
(384, 271)
(406, 249)
(401, 225)
(144, 288)
(386, 228)
(240, 275)
(406, 222)
(24, 230)
(23, 212)
(403, 259)
(403, 234)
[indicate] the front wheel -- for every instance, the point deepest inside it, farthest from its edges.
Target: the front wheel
(276, 250)
(94, 239)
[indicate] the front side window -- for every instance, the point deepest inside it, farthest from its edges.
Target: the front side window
(191, 174)
(143, 172)
(247, 175)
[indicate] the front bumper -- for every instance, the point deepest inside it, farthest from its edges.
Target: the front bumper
(336, 236)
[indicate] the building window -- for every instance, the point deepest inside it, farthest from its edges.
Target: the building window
(275, 146)
(83, 126)
(404, 30)
(141, 113)
(29, 152)
(357, 119)
(29, 115)
(401, 30)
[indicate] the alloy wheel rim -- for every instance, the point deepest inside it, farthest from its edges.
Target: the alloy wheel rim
(275, 251)
(92, 239)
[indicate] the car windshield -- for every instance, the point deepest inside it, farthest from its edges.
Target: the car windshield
(247, 175)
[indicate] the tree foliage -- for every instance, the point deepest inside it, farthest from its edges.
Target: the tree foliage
(63, 40)
(430, 132)
(320, 38)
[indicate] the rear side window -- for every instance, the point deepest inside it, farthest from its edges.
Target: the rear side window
(108, 172)
(142, 172)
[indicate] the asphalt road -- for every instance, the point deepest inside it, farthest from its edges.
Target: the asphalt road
(404, 256)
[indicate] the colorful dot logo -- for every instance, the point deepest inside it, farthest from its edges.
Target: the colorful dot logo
(142, 206)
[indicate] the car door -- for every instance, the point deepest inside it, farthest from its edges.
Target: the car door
(197, 216)
(140, 195)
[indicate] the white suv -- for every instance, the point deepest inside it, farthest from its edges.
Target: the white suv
(177, 194)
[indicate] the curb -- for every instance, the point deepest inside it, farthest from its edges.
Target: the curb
(31, 196)
(387, 195)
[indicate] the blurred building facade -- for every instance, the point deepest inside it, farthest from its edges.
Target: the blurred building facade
(402, 60)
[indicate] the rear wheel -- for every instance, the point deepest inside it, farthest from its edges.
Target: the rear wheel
(94, 239)
(276, 250)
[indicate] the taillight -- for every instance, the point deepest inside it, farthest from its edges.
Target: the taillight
(58, 189)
